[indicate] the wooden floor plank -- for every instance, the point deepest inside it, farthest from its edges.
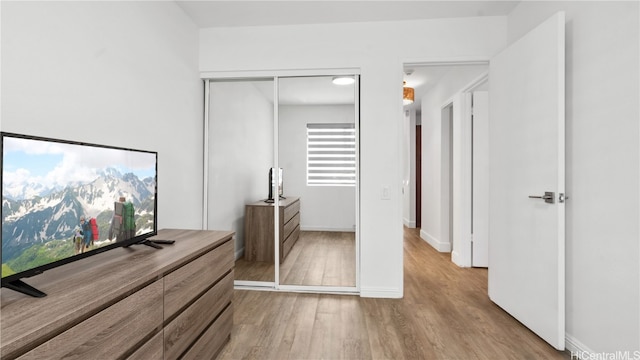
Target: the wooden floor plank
(318, 258)
(445, 314)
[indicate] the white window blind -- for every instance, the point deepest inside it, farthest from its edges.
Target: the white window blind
(331, 154)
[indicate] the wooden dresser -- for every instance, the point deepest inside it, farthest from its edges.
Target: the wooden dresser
(259, 231)
(128, 303)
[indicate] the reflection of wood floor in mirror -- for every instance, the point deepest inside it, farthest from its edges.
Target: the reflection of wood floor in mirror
(321, 258)
(253, 270)
(318, 258)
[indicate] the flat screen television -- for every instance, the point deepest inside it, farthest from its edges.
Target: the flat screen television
(272, 185)
(64, 200)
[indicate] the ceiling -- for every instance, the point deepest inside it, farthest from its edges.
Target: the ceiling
(307, 90)
(424, 78)
(263, 13)
(295, 91)
(319, 91)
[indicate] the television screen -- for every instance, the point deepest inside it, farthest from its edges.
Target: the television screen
(272, 182)
(63, 200)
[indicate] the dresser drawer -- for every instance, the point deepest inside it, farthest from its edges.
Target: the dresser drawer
(111, 333)
(290, 211)
(209, 345)
(289, 242)
(188, 282)
(182, 331)
(291, 225)
(151, 350)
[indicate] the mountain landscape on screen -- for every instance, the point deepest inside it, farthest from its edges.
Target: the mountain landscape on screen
(39, 223)
(60, 200)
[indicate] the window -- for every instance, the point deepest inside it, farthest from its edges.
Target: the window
(331, 155)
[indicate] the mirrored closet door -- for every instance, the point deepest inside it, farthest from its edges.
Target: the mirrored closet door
(240, 143)
(282, 172)
(317, 152)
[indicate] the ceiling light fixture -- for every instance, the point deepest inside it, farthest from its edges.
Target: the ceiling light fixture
(343, 80)
(408, 94)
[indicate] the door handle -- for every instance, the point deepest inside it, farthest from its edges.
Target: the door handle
(548, 197)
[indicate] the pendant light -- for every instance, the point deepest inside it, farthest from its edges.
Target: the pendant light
(408, 94)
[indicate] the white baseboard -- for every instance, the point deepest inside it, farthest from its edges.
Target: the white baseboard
(383, 293)
(321, 228)
(435, 243)
(239, 253)
(411, 224)
(577, 349)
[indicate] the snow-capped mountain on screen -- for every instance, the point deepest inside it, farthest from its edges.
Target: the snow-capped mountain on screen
(38, 215)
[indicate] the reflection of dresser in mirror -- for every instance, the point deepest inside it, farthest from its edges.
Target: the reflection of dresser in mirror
(259, 231)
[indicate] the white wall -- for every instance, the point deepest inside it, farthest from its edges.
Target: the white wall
(323, 208)
(435, 206)
(114, 73)
(378, 50)
(240, 152)
(602, 112)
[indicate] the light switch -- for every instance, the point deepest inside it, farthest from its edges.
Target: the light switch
(385, 193)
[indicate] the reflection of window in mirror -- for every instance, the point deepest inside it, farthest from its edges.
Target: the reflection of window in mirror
(331, 155)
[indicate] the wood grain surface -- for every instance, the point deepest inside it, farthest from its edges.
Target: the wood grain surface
(259, 228)
(445, 314)
(79, 290)
(317, 258)
(188, 282)
(151, 350)
(210, 344)
(183, 331)
(109, 334)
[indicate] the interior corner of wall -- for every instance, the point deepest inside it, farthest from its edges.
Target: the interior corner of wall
(440, 246)
(240, 253)
(409, 223)
(574, 346)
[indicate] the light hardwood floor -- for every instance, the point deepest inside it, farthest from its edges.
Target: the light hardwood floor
(445, 314)
(320, 258)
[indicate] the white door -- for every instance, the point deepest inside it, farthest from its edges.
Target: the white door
(480, 203)
(526, 158)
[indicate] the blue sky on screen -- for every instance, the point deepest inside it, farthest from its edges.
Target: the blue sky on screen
(39, 165)
(57, 164)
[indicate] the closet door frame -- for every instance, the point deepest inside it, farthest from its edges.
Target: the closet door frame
(207, 77)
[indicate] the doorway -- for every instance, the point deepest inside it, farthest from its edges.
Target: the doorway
(527, 237)
(443, 97)
(418, 182)
(447, 176)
